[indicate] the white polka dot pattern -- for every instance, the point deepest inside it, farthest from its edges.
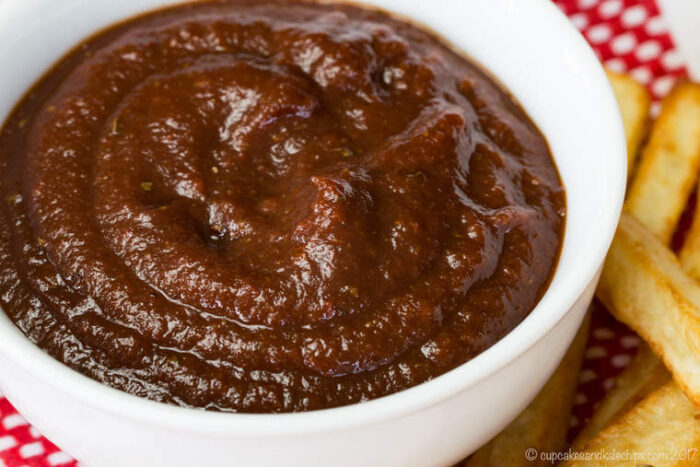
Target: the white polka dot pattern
(634, 16)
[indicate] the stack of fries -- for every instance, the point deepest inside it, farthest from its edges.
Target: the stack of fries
(652, 415)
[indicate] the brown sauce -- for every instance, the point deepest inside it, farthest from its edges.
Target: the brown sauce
(271, 207)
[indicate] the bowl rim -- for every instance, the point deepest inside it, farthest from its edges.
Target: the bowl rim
(544, 317)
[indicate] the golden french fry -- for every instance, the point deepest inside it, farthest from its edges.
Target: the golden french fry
(644, 286)
(669, 163)
(647, 372)
(644, 374)
(634, 101)
(690, 253)
(543, 423)
(663, 429)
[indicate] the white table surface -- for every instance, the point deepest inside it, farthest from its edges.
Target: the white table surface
(683, 18)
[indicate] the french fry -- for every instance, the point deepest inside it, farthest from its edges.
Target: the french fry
(690, 253)
(543, 423)
(634, 101)
(669, 163)
(644, 286)
(663, 429)
(645, 374)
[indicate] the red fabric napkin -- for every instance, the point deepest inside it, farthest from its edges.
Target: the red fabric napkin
(629, 36)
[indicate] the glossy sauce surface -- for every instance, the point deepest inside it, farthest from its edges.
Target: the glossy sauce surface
(271, 207)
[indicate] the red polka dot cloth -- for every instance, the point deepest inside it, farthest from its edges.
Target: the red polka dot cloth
(629, 36)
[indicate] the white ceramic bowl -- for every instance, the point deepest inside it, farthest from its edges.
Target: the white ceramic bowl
(530, 46)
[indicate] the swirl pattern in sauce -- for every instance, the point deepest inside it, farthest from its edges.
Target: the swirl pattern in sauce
(271, 206)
